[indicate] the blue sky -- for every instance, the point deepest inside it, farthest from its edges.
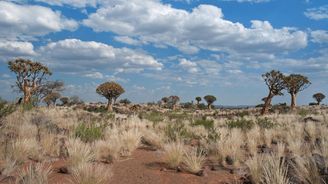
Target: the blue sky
(157, 48)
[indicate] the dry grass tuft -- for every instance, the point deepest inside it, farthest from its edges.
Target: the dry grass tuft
(194, 160)
(173, 154)
(87, 173)
(35, 174)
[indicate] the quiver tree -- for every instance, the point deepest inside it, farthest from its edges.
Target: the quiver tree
(51, 98)
(210, 99)
(275, 82)
(319, 97)
(49, 87)
(173, 101)
(198, 99)
(29, 76)
(294, 83)
(64, 100)
(111, 91)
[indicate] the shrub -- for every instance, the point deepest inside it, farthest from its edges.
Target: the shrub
(89, 133)
(35, 174)
(154, 116)
(173, 154)
(176, 131)
(208, 124)
(194, 160)
(88, 173)
(5, 108)
(130, 140)
(79, 152)
(265, 123)
(243, 113)
(125, 101)
(241, 123)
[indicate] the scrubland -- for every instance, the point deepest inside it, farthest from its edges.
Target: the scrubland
(279, 148)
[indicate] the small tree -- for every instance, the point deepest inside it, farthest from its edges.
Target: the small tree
(29, 76)
(319, 97)
(198, 99)
(51, 98)
(48, 88)
(275, 82)
(125, 101)
(173, 101)
(295, 83)
(111, 91)
(210, 99)
(64, 100)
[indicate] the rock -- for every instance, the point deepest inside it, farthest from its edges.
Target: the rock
(201, 173)
(63, 170)
(307, 119)
(179, 169)
(163, 169)
(229, 160)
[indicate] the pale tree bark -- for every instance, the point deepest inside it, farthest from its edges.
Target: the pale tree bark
(109, 106)
(293, 101)
(267, 103)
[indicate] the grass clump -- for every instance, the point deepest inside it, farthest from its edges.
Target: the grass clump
(89, 133)
(194, 160)
(154, 116)
(88, 173)
(241, 123)
(173, 154)
(265, 123)
(35, 174)
(208, 124)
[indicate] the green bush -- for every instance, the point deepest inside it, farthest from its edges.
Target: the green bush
(89, 133)
(208, 124)
(265, 123)
(5, 108)
(176, 131)
(242, 114)
(241, 123)
(304, 112)
(154, 116)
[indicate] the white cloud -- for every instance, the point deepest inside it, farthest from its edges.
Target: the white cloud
(318, 13)
(249, 1)
(76, 54)
(319, 36)
(73, 3)
(95, 75)
(15, 48)
(27, 21)
(202, 28)
(191, 67)
(128, 40)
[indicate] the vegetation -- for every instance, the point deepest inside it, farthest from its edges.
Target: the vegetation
(111, 91)
(294, 84)
(210, 99)
(29, 75)
(319, 97)
(275, 82)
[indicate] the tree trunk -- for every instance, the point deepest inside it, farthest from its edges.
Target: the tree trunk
(109, 106)
(209, 106)
(197, 102)
(293, 101)
(27, 96)
(267, 103)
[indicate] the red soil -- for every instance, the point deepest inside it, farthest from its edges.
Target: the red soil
(146, 167)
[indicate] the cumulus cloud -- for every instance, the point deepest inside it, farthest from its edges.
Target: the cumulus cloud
(15, 49)
(249, 1)
(191, 67)
(318, 13)
(77, 54)
(73, 3)
(319, 36)
(20, 21)
(202, 28)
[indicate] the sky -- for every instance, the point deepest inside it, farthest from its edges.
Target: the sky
(157, 48)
